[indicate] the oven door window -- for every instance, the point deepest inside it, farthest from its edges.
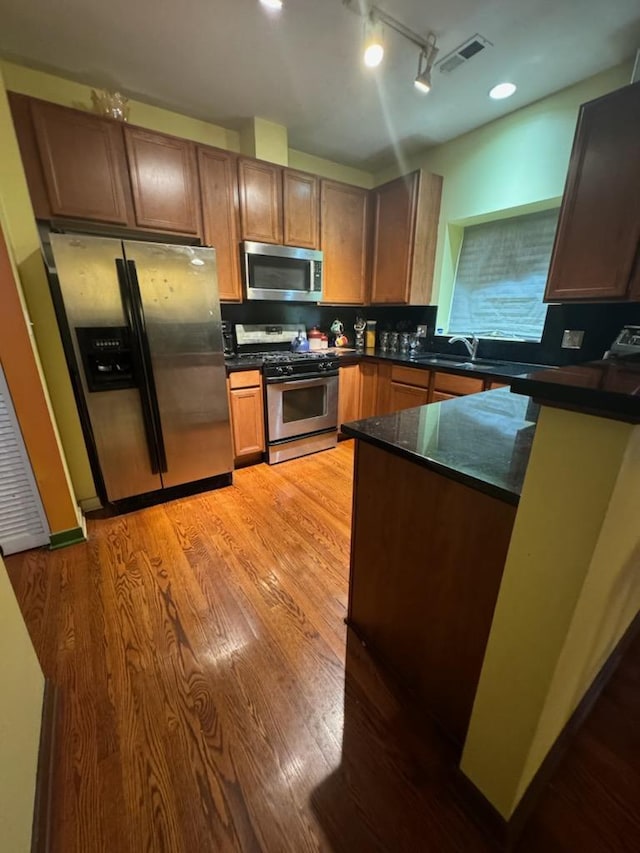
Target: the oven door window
(286, 274)
(300, 404)
(296, 407)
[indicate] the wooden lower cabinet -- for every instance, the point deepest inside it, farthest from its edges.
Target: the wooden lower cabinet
(439, 397)
(247, 414)
(406, 396)
(349, 394)
(369, 389)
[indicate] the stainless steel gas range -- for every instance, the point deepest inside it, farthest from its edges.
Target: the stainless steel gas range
(301, 396)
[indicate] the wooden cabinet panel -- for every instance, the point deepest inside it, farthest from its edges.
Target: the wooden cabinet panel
(349, 396)
(368, 389)
(597, 248)
(491, 385)
(404, 241)
(439, 397)
(245, 379)
(164, 180)
(259, 185)
(300, 207)
(83, 163)
(406, 396)
(343, 239)
(411, 376)
(219, 190)
(247, 420)
(451, 383)
(383, 395)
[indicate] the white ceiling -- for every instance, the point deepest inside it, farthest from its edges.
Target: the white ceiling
(227, 60)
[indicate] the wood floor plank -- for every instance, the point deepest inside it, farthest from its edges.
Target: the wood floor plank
(214, 702)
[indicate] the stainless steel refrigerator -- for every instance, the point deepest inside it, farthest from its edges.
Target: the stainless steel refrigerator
(142, 329)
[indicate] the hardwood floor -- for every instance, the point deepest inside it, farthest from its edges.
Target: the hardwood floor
(212, 699)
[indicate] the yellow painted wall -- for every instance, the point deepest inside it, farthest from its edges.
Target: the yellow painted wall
(67, 93)
(559, 611)
(22, 236)
(20, 716)
(329, 169)
(515, 164)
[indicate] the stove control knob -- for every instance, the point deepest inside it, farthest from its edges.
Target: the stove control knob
(289, 369)
(279, 371)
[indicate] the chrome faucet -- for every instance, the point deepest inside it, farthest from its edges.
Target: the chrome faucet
(472, 343)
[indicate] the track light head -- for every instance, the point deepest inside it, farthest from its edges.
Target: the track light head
(373, 46)
(425, 63)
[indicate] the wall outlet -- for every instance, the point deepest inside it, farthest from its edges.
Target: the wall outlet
(421, 331)
(572, 339)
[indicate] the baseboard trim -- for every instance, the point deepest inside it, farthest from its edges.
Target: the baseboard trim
(66, 537)
(506, 832)
(42, 811)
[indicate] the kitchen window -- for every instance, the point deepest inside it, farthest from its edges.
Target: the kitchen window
(501, 275)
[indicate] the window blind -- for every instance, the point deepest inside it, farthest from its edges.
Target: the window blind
(501, 276)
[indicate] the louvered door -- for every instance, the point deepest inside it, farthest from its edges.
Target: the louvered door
(23, 523)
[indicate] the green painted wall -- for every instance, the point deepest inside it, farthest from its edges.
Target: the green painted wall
(514, 164)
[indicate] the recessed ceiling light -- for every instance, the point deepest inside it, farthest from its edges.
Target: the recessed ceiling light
(502, 90)
(272, 4)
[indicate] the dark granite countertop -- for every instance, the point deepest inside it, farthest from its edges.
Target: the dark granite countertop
(608, 389)
(482, 440)
(425, 361)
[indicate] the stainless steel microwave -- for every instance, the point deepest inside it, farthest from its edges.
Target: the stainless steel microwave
(282, 272)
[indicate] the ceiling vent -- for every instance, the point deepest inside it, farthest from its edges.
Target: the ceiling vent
(462, 54)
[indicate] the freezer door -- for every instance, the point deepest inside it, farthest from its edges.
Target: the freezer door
(90, 290)
(178, 290)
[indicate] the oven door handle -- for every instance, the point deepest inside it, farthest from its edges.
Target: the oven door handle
(302, 379)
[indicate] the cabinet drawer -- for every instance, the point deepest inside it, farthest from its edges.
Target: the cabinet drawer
(410, 376)
(452, 384)
(245, 379)
(491, 385)
(439, 397)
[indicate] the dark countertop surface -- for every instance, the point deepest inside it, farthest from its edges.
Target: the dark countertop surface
(609, 389)
(482, 440)
(425, 361)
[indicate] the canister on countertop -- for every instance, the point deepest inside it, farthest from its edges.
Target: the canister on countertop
(315, 339)
(370, 337)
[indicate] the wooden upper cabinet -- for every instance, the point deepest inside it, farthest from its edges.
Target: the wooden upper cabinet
(164, 180)
(219, 189)
(300, 205)
(404, 241)
(343, 239)
(260, 188)
(597, 248)
(83, 163)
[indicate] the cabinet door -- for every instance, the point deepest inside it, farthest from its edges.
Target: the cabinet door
(260, 200)
(83, 163)
(394, 228)
(349, 398)
(406, 396)
(164, 180)
(597, 243)
(300, 209)
(219, 189)
(440, 397)
(368, 389)
(247, 420)
(343, 239)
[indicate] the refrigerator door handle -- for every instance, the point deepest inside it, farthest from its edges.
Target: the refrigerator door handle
(138, 315)
(139, 369)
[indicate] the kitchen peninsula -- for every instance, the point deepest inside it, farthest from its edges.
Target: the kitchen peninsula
(495, 564)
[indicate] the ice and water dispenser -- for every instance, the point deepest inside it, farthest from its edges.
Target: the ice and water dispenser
(106, 357)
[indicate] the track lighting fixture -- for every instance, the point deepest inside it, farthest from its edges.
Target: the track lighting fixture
(373, 46)
(425, 63)
(375, 18)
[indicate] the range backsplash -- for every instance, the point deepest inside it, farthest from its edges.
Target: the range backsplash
(600, 323)
(396, 318)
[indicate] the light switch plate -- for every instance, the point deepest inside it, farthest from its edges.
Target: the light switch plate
(572, 339)
(421, 331)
